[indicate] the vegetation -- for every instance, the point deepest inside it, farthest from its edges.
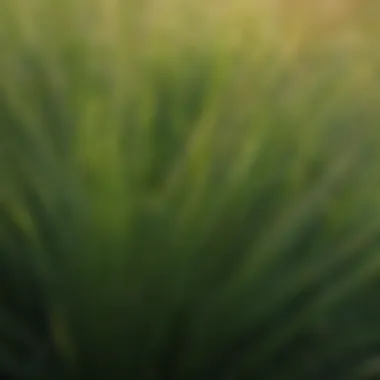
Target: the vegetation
(186, 194)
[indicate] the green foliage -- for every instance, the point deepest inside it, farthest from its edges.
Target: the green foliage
(176, 208)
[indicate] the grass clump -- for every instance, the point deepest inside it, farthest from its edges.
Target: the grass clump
(183, 205)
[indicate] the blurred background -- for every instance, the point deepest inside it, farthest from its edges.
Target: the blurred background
(189, 189)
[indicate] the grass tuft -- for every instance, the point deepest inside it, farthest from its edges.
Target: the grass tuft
(185, 195)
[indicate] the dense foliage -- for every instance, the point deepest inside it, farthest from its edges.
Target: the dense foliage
(182, 199)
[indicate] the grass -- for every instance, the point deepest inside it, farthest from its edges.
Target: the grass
(181, 202)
